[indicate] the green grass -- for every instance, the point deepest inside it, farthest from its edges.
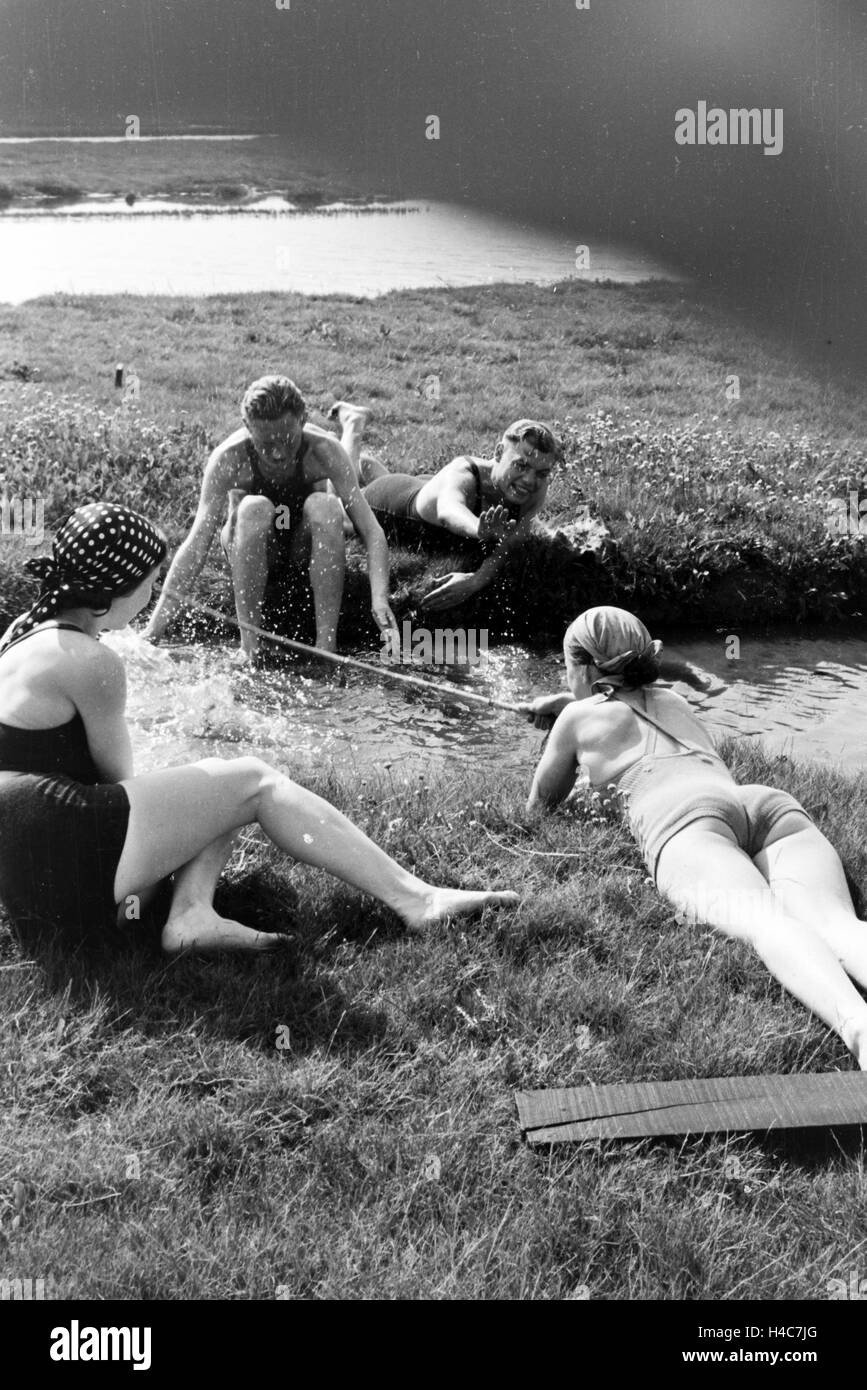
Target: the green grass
(224, 170)
(168, 1148)
(716, 507)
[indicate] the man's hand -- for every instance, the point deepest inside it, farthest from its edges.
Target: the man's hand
(384, 618)
(450, 590)
(495, 523)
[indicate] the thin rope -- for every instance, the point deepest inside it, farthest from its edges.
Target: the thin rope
(427, 685)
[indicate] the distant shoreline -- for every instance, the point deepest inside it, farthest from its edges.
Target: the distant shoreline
(194, 166)
(115, 139)
(254, 201)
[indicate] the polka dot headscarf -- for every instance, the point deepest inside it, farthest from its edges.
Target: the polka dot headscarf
(101, 550)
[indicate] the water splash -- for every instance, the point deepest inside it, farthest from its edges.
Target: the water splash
(189, 702)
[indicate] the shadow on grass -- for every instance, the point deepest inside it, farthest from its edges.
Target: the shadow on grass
(287, 999)
(748, 1159)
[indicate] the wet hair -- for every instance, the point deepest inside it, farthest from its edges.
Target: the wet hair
(271, 397)
(641, 670)
(535, 434)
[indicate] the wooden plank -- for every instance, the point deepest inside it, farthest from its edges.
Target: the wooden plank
(634, 1110)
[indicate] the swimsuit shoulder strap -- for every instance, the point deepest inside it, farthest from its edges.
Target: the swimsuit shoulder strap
(474, 469)
(660, 726)
(56, 627)
(253, 460)
(512, 508)
(604, 696)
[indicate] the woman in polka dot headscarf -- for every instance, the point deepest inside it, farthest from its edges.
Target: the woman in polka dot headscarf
(99, 553)
(83, 841)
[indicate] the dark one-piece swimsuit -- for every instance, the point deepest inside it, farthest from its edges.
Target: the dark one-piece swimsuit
(290, 492)
(393, 498)
(62, 831)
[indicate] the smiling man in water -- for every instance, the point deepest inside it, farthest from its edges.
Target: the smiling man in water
(488, 501)
(272, 476)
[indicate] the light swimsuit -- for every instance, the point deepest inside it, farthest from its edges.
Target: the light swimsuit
(663, 793)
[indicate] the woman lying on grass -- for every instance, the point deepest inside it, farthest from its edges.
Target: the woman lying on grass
(80, 835)
(745, 859)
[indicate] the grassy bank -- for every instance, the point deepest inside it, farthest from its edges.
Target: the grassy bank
(716, 505)
(189, 171)
(340, 1122)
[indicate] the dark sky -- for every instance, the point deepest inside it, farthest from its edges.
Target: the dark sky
(562, 114)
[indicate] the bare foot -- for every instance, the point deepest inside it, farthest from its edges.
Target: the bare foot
(857, 1044)
(345, 413)
(248, 660)
(442, 903)
(201, 929)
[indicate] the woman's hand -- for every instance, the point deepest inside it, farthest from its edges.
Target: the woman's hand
(543, 711)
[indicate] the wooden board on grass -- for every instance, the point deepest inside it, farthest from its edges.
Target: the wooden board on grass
(637, 1109)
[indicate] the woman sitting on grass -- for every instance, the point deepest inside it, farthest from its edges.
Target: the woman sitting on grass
(745, 859)
(83, 840)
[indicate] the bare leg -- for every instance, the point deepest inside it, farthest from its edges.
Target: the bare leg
(246, 538)
(805, 875)
(322, 529)
(192, 921)
(703, 871)
(353, 420)
(179, 812)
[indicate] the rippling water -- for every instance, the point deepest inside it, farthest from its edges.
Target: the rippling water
(803, 695)
(807, 696)
(99, 250)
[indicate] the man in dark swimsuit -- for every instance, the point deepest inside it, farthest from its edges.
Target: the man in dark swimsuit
(488, 501)
(275, 473)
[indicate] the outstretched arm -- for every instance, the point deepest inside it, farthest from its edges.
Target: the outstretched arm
(544, 709)
(220, 475)
(453, 485)
(457, 586)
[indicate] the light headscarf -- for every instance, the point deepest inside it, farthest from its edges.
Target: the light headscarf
(612, 638)
(100, 552)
